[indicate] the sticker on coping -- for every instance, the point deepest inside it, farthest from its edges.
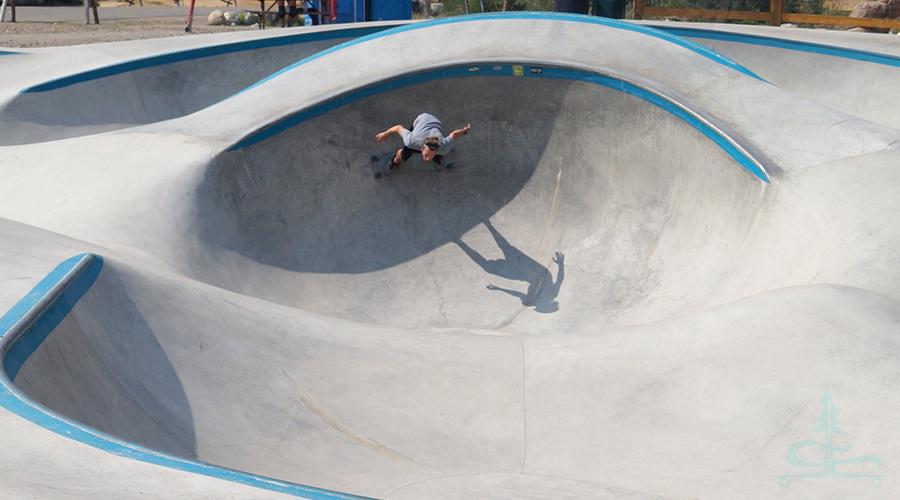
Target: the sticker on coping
(829, 424)
(474, 68)
(537, 71)
(498, 68)
(518, 70)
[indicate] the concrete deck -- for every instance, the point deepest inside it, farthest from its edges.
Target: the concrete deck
(653, 272)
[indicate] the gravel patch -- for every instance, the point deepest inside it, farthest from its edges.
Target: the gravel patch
(36, 34)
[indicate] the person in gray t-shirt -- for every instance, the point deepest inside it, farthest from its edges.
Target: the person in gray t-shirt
(425, 137)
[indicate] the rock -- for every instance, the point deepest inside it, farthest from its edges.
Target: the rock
(215, 18)
(232, 18)
(874, 9)
(250, 19)
(877, 9)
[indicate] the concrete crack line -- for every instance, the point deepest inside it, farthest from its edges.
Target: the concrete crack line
(332, 422)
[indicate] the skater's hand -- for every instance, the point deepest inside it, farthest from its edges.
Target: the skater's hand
(491, 287)
(384, 136)
(456, 134)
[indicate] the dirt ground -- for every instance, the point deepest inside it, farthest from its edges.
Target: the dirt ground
(22, 34)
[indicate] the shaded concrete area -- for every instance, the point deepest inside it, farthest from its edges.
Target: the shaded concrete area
(648, 275)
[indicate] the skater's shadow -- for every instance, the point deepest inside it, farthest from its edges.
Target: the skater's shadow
(515, 265)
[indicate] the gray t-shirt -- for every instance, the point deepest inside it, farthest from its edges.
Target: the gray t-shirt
(426, 126)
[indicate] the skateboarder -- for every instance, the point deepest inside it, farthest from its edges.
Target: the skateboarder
(426, 138)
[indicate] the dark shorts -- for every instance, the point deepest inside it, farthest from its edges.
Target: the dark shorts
(407, 152)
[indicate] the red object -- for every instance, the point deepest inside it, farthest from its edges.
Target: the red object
(190, 20)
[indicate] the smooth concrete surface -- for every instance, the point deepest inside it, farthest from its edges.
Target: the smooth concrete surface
(122, 84)
(601, 299)
(803, 62)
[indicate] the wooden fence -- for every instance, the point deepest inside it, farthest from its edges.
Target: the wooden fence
(776, 16)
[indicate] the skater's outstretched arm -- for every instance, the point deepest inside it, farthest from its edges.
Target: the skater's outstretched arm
(456, 134)
(383, 137)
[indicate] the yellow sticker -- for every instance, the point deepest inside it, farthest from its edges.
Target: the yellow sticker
(474, 68)
(518, 70)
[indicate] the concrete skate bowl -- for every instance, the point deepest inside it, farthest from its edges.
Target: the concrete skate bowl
(126, 85)
(551, 165)
(612, 278)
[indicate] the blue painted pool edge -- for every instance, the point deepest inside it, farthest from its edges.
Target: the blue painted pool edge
(601, 21)
(361, 34)
(783, 43)
(197, 53)
(466, 71)
(15, 351)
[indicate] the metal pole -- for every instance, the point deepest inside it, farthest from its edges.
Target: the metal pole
(3, 11)
(87, 11)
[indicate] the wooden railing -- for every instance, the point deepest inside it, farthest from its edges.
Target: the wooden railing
(776, 16)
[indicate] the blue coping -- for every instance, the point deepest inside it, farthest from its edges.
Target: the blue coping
(601, 21)
(198, 53)
(815, 48)
(16, 402)
(361, 34)
(504, 69)
(15, 357)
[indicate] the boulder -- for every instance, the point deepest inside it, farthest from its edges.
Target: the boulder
(232, 18)
(877, 9)
(215, 18)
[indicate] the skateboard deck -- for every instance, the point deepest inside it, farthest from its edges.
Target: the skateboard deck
(381, 162)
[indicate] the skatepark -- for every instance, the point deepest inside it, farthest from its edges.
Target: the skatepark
(664, 264)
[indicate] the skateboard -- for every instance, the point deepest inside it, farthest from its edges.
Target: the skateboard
(381, 162)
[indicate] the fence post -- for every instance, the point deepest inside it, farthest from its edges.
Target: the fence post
(638, 9)
(777, 9)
